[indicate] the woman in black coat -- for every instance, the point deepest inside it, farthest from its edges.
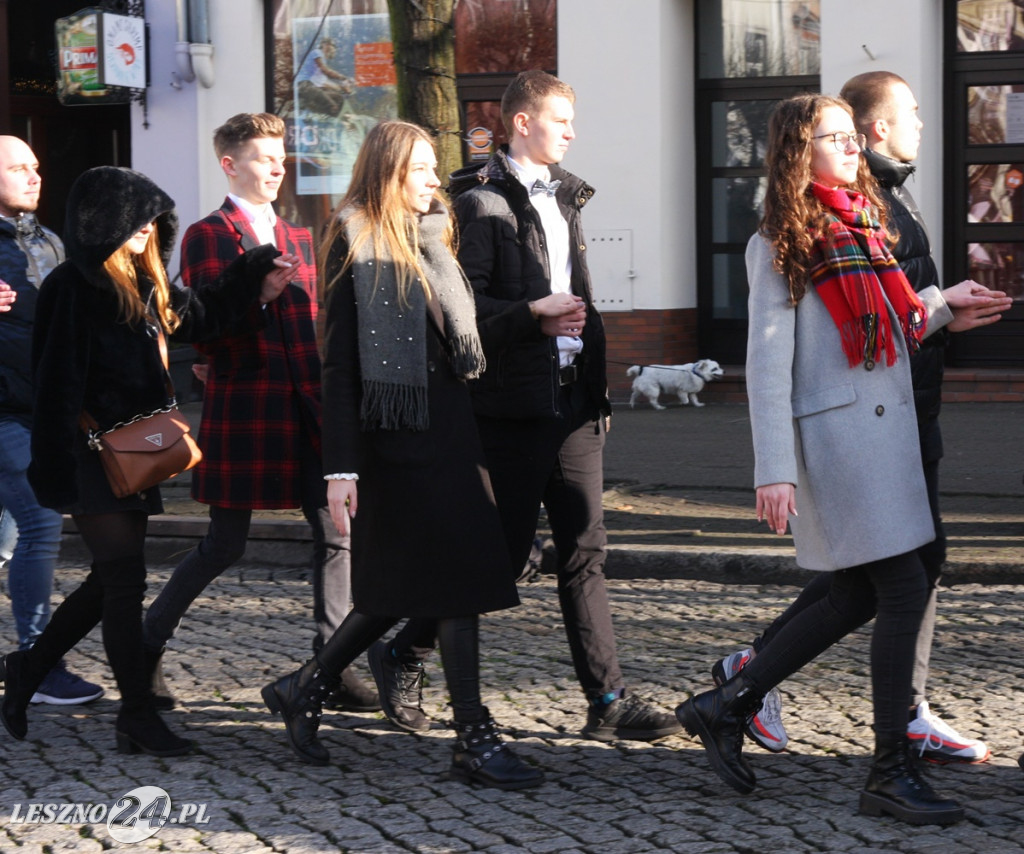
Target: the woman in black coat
(401, 340)
(100, 322)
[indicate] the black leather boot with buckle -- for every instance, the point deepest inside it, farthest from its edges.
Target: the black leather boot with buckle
(298, 698)
(895, 787)
(719, 718)
(479, 756)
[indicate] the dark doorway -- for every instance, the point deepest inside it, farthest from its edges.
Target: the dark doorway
(67, 140)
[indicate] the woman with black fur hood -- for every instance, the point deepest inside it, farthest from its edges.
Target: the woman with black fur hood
(96, 349)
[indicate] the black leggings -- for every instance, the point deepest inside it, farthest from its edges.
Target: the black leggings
(897, 589)
(112, 593)
(458, 639)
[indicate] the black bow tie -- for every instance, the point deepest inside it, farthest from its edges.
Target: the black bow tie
(546, 187)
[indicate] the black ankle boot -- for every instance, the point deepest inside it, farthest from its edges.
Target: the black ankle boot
(895, 787)
(144, 731)
(352, 695)
(163, 699)
(298, 698)
(479, 756)
(718, 718)
(18, 690)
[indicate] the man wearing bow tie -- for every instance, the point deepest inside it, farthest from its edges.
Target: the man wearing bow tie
(542, 402)
(28, 252)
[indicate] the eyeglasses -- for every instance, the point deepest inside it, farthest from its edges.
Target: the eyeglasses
(841, 140)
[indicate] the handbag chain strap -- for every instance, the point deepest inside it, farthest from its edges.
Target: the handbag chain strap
(89, 424)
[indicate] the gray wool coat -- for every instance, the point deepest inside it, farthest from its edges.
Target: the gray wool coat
(846, 437)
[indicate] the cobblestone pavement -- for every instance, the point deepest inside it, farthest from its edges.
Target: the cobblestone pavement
(385, 791)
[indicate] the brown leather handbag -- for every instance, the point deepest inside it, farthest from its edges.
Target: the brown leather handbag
(138, 454)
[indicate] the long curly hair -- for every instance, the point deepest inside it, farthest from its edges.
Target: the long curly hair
(793, 218)
(377, 192)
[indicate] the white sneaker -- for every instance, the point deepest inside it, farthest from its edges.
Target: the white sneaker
(935, 740)
(764, 727)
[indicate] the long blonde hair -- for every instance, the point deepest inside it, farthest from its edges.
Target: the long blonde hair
(794, 219)
(377, 193)
(123, 268)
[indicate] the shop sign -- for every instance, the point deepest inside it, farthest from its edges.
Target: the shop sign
(100, 56)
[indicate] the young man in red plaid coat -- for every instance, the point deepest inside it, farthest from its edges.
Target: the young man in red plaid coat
(260, 429)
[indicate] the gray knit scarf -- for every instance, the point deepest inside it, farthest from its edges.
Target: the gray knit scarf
(392, 338)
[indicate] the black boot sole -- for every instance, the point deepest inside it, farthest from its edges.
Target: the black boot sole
(276, 706)
(128, 745)
(694, 724)
(877, 805)
(460, 775)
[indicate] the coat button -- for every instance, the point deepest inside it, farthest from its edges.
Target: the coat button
(879, 410)
(869, 365)
(431, 367)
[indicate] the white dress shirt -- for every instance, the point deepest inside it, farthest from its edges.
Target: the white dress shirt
(556, 236)
(261, 217)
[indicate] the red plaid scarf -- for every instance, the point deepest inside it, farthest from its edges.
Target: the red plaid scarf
(855, 286)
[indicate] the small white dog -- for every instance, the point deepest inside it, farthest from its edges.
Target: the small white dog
(684, 380)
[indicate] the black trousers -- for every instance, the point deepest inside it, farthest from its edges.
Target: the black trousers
(932, 555)
(895, 592)
(557, 462)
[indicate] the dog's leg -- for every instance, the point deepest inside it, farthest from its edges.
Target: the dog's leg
(694, 401)
(654, 403)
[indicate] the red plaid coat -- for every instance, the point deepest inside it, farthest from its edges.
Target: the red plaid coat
(262, 398)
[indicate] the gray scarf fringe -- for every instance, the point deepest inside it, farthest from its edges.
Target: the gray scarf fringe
(392, 339)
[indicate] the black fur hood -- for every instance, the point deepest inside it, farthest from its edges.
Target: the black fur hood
(105, 207)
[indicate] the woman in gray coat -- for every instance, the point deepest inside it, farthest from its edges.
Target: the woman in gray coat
(833, 321)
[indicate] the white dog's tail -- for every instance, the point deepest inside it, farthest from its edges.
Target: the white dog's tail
(634, 371)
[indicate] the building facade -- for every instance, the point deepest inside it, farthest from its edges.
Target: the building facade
(672, 100)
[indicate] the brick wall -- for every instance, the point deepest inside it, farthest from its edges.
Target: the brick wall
(647, 337)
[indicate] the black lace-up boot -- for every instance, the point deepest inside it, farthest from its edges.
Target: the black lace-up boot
(895, 787)
(719, 718)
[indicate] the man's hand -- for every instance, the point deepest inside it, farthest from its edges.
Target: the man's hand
(775, 503)
(974, 305)
(277, 280)
(7, 296)
(342, 499)
(560, 314)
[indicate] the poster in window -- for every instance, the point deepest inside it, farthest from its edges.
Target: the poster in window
(343, 84)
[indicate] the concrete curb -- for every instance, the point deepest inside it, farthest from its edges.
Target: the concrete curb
(282, 544)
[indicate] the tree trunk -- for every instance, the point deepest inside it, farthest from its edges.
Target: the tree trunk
(423, 35)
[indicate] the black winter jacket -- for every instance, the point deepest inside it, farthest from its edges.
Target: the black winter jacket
(502, 250)
(914, 252)
(85, 357)
(28, 252)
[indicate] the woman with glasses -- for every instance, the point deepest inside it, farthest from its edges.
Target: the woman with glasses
(833, 322)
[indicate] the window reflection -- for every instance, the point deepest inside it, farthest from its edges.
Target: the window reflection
(995, 192)
(759, 38)
(505, 35)
(989, 25)
(999, 266)
(995, 114)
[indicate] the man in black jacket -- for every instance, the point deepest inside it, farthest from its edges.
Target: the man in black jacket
(886, 111)
(28, 252)
(541, 404)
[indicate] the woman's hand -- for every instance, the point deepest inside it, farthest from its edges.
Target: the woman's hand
(775, 502)
(277, 280)
(342, 500)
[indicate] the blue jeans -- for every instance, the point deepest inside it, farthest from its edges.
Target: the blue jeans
(30, 570)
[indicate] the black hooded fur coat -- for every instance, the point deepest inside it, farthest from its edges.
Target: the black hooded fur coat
(84, 355)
